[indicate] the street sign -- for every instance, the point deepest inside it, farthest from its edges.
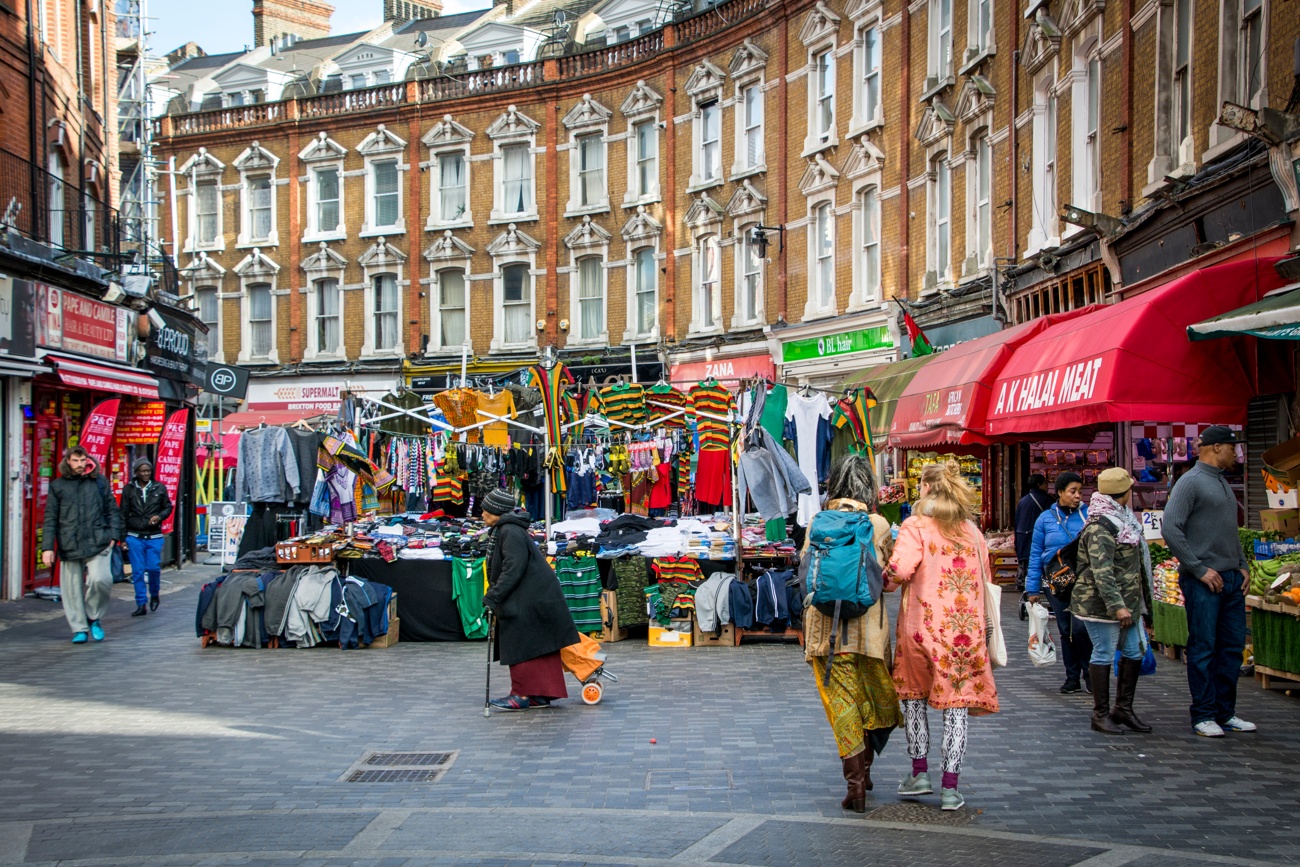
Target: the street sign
(227, 380)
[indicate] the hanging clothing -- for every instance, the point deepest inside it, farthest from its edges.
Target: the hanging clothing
(770, 477)
(663, 401)
(268, 467)
(468, 584)
(807, 411)
(713, 477)
(623, 402)
(404, 424)
(580, 580)
(460, 406)
(711, 398)
(305, 445)
(500, 404)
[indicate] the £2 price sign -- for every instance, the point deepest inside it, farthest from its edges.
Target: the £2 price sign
(1153, 521)
(171, 453)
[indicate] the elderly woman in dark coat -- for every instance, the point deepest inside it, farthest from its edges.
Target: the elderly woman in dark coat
(533, 620)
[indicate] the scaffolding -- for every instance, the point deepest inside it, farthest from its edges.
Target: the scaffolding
(138, 191)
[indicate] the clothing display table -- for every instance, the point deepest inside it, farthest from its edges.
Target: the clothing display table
(424, 602)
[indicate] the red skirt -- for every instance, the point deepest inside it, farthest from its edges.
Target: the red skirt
(713, 477)
(542, 677)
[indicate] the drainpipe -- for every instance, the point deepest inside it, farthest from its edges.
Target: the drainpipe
(33, 150)
(905, 163)
(669, 197)
(1013, 239)
(1127, 136)
(553, 219)
(782, 161)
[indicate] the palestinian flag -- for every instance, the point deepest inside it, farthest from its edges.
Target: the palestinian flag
(920, 343)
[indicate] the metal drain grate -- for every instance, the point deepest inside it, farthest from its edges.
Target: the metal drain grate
(921, 814)
(396, 775)
(388, 766)
(408, 760)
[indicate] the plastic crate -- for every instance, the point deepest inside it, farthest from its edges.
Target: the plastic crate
(1265, 550)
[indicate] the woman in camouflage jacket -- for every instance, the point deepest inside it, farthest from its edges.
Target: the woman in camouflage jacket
(1110, 595)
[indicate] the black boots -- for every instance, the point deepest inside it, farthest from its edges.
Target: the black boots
(140, 612)
(1101, 721)
(855, 774)
(153, 604)
(1125, 686)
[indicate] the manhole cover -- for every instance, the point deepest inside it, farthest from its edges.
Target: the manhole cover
(387, 766)
(409, 759)
(921, 814)
(686, 781)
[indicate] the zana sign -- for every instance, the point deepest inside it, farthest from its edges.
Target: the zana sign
(1065, 385)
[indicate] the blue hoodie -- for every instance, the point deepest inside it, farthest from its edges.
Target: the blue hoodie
(1053, 530)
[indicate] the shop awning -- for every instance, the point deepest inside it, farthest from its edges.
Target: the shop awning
(945, 403)
(103, 377)
(253, 417)
(887, 382)
(1276, 317)
(1132, 361)
(21, 367)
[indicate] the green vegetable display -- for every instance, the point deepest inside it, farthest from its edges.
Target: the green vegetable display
(1249, 537)
(1264, 572)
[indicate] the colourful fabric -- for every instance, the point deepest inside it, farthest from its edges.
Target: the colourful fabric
(920, 343)
(678, 569)
(941, 653)
(624, 402)
(860, 698)
(500, 404)
(713, 478)
(460, 406)
(853, 411)
(711, 398)
(664, 400)
(632, 579)
(468, 584)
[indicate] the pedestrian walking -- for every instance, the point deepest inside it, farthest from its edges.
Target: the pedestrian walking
(1111, 597)
(533, 622)
(1057, 527)
(1035, 501)
(145, 505)
(1200, 528)
(941, 656)
(82, 522)
(861, 701)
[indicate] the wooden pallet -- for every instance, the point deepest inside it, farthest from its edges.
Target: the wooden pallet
(1266, 675)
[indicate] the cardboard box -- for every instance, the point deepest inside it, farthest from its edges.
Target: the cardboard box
(1284, 521)
(392, 607)
(391, 637)
(609, 626)
(1283, 461)
(1288, 499)
(678, 634)
(728, 637)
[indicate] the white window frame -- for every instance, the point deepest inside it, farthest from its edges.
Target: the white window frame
(255, 269)
(1044, 229)
(1231, 67)
(436, 338)
(821, 259)
(1180, 122)
(705, 89)
(588, 240)
(587, 269)
(940, 64)
(203, 169)
(939, 218)
(642, 106)
(588, 126)
(513, 129)
(751, 129)
(1085, 136)
(746, 254)
(383, 146)
(449, 253)
(255, 163)
(820, 36)
(323, 153)
(58, 199)
(513, 247)
(707, 247)
(382, 258)
(448, 138)
(373, 284)
(866, 240)
(205, 273)
(822, 118)
(979, 207)
(1247, 69)
(980, 41)
(325, 264)
(643, 190)
(868, 114)
(641, 233)
(316, 314)
(636, 289)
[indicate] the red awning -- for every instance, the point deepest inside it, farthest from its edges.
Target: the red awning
(945, 403)
(1132, 361)
(103, 377)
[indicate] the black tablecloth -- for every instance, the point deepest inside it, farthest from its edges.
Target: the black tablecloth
(424, 603)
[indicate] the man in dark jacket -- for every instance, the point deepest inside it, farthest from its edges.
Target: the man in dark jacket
(81, 523)
(1035, 501)
(145, 505)
(533, 620)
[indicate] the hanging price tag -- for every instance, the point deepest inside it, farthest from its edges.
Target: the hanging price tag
(1153, 524)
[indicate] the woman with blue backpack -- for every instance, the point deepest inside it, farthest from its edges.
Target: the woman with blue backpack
(1055, 528)
(857, 692)
(941, 658)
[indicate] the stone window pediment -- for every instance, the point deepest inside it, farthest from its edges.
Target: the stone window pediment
(820, 175)
(748, 61)
(936, 123)
(203, 268)
(513, 242)
(1042, 42)
(588, 113)
(447, 133)
(642, 102)
(381, 141)
(1078, 14)
(746, 200)
(256, 264)
(256, 157)
(324, 261)
(448, 248)
(977, 96)
(203, 163)
(863, 158)
(820, 23)
(707, 77)
(586, 235)
(704, 210)
(322, 148)
(513, 124)
(641, 226)
(381, 253)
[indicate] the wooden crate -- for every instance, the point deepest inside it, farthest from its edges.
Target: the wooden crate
(610, 630)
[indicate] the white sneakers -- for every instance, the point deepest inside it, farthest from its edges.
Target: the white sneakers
(1210, 729)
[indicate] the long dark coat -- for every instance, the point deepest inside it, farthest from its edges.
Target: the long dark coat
(532, 617)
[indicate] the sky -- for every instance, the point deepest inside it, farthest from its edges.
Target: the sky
(219, 26)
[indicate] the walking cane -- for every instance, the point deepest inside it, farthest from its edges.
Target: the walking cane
(487, 690)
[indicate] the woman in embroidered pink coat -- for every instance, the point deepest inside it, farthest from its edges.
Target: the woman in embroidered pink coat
(940, 655)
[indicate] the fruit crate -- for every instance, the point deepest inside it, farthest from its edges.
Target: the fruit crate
(302, 551)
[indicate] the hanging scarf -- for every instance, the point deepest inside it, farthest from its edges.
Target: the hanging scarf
(1129, 527)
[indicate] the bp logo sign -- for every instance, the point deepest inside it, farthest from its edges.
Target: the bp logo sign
(227, 380)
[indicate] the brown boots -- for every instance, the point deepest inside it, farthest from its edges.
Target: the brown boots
(857, 773)
(1101, 721)
(1125, 686)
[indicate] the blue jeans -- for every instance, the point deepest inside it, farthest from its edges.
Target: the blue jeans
(1108, 637)
(146, 562)
(1216, 636)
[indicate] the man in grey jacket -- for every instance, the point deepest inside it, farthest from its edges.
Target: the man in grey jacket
(1200, 528)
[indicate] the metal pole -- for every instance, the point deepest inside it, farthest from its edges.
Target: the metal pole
(464, 365)
(546, 479)
(633, 348)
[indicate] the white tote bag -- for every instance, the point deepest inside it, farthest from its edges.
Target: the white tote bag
(1042, 650)
(997, 643)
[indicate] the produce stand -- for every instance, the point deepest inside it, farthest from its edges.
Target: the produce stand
(1169, 625)
(1275, 629)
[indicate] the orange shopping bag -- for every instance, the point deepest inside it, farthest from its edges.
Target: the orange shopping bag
(582, 659)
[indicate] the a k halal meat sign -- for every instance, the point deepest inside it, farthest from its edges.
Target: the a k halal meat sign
(178, 350)
(1066, 385)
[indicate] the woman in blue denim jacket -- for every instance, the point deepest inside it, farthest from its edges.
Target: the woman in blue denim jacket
(1057, 527)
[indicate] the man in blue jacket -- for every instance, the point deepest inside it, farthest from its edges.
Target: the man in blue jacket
(1055, 528)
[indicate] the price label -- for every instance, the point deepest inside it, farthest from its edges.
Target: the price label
(1153, 524)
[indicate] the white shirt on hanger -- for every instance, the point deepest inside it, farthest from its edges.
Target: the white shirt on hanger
(806, 411)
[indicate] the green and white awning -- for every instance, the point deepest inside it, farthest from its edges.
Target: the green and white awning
(1276, 317)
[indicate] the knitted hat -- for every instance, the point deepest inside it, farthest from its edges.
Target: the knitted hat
(499, 502)
(1114, 481)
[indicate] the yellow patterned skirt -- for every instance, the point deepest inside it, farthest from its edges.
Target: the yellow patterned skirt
(861, 698)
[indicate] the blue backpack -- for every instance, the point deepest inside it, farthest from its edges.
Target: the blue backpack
(841, 571)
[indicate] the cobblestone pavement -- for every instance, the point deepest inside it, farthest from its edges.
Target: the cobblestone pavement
(147, 749)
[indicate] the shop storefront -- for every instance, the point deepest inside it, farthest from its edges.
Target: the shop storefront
(18, 365)
(824, 354)
(278, 400)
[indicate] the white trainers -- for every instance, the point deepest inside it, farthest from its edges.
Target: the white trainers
(1208, 729)
(1237, 724)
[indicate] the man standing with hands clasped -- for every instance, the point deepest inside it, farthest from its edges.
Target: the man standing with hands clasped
(1200, 528)
(82, 522)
